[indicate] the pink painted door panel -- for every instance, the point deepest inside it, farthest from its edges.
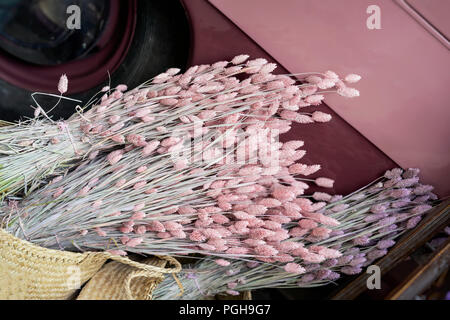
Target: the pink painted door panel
(435, 12)
(404, 104)
(341, 150)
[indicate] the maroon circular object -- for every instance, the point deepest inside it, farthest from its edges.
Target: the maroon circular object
(84, 73)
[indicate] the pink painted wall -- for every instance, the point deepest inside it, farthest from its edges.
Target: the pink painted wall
(404, 106)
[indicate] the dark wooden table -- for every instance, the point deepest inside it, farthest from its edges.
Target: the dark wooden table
(422, 276)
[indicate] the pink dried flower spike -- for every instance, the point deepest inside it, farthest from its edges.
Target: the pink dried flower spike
(294, 268)
(222, 262)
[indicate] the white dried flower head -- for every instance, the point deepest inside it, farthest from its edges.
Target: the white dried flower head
(63, 84)
(331, 75)
(348, 92)
(240, 59)
(352, 78)
(172, 71)
(319, 116)
(37, 112)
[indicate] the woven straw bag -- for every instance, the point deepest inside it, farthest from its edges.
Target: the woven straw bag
(28, 272)
(118, 281)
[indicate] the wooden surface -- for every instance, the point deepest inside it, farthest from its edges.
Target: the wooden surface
(434, 221)
(423, 276)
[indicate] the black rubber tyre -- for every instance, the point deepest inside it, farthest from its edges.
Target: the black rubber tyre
(161, 41)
